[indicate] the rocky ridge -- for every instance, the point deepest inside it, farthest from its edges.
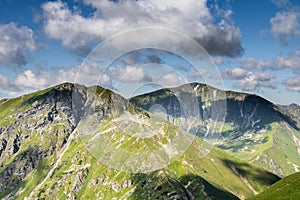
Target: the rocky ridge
(42, 156)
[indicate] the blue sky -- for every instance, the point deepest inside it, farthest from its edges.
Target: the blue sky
(255, 44)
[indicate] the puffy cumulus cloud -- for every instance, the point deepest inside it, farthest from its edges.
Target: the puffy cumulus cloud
(293, 84)
(15, 43)
(235, 73)
(104, 80)
(248, 83)
(244, 64)
(26, 81)
(71, 28)
(170, 80)
(6, 84)
(128, 73)
(268, 85)
(251, 63)
(29, 79)
(292, 61)
(252, 74)
(248, 80)
(265, 76)
(191, 17)
(65, 74)
(286, 23)
(41, 78)
(86, 74)
(254, 81)
(289, 61)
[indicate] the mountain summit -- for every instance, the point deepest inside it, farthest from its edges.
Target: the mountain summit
(255, 130)
(43, 153)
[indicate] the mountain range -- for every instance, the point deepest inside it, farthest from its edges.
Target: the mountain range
(293, 109)
(51, 144)
(255, 130)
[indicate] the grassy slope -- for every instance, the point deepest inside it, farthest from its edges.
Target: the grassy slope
(273, 143)
(285, 189)
(213, 171)
(275, 147)
(219, 173)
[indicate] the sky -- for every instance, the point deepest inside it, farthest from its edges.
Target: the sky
(254, 45)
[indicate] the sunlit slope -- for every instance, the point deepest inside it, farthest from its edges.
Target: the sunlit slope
(285, 189)
(42, 154)
(255, 130)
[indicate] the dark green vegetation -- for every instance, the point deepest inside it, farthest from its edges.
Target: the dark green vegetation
(285, 189)
(42, 156)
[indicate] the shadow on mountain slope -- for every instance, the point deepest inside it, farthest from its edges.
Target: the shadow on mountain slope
(285, 189)
(253, 112)
(186, 187)
(244, 112)
(253, 175)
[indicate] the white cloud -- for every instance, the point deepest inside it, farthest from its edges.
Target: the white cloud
(235, 73)
(248, 80)
(5, 83)
(292, 61)
(29, 79)
(252, 74)
(105, 80)
(86, 74)
(252, 81)
(265, 76)
(293, 84)
(285, 24)
(192, 17)
(251, 63)
(15, 42)
(248, 83)
(72, 29)
(268, 85)
(40, 78)
(170, 80)
(128, 73)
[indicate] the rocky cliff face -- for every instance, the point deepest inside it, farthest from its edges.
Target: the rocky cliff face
(34, 127)
(42, 155)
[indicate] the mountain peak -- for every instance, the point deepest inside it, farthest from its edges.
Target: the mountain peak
(43, 154)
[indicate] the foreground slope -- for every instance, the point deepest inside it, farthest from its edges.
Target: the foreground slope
(255, 130)
(285, 189)
(42, 156)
